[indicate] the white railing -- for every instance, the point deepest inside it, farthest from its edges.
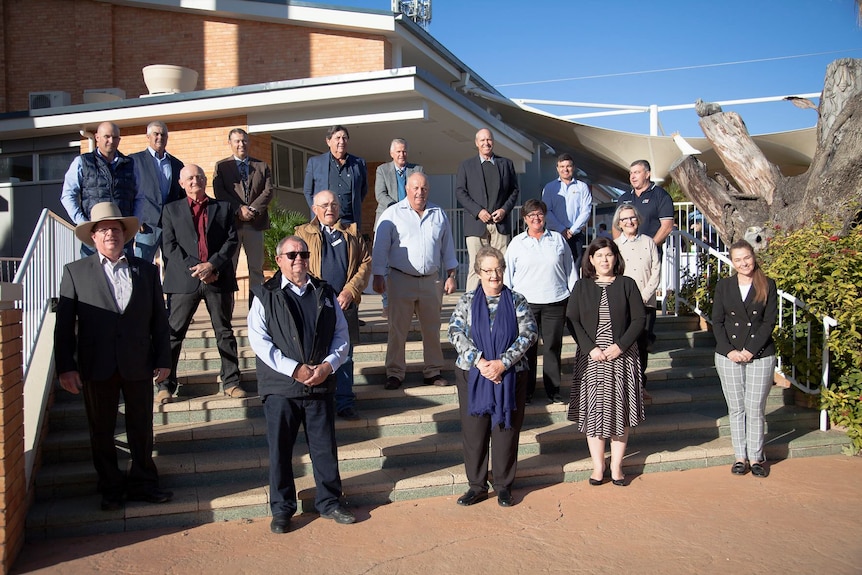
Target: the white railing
(52, 245)
(456, 220)
(687, 257)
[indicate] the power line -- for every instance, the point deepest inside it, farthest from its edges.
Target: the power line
(676, 69)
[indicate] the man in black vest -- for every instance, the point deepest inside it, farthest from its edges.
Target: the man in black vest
(105, 175)
(299, 334)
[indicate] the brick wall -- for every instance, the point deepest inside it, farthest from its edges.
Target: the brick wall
(13, 490)
(84, 44)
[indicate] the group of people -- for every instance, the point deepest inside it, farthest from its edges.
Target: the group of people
(304, 321)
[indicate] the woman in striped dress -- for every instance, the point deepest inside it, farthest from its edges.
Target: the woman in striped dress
(607, 314)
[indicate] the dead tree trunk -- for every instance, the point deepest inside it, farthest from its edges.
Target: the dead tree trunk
(762, 197)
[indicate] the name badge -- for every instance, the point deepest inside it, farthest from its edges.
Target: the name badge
(336, 242)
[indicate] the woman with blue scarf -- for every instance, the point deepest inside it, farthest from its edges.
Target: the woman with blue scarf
(491, 328)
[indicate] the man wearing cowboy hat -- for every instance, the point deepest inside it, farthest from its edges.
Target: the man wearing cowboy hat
(121, 344)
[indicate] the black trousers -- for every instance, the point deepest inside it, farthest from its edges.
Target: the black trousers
(477, 435)
(283, 418)
(550, 319)
(102, 400)
(576, 244)
(182, 307)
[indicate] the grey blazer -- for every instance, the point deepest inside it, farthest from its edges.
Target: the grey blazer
(386, 186)
(148, 187)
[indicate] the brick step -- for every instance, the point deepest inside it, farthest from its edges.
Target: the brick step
(247, 498)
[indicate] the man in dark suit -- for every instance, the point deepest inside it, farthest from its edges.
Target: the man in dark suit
(198, 243)
(246, 184)
(487, 188)
(345, 175)
(157, 174)
(111, 337)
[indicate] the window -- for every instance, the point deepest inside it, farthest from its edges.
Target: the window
(289, 169)
(35, 167)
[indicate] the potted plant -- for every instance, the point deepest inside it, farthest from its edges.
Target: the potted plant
(282, 223)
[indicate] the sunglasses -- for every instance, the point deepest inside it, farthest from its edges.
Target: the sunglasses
(292, 255)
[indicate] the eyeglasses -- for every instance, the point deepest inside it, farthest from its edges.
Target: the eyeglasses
(535, 215)
(104, 231)
(327, 206)
(292, 255)
(629, 219)
(498, 271)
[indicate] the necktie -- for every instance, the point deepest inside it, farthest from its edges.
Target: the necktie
(243, 176)
(402, 184)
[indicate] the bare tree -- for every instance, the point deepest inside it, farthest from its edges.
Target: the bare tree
(758, 195)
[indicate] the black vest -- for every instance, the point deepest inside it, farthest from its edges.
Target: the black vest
(284, 329)
(101, 184)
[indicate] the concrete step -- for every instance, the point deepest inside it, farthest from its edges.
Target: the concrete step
(247, 498)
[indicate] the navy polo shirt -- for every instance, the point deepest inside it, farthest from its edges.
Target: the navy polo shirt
(655, 204)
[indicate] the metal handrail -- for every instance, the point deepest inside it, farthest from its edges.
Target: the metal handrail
(678, 263)
(52, 245)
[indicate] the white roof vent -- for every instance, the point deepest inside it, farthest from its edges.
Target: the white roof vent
(169, 79)
(55, 99)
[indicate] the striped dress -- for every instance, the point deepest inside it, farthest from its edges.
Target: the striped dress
(606, 395)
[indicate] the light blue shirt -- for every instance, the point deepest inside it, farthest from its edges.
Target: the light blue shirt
(569, 205)
(542, 270)
(266, 350)
(414, 244)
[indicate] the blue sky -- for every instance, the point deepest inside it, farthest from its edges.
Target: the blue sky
(555, 49)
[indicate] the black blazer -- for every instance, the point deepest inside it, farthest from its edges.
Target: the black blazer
(133, 343)
(626, 307)
(227, 187)
(473, 197)
(180, 246)
(738, 324)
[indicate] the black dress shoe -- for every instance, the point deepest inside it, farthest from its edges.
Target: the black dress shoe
(153, 495)
(349, 414)
(595, 482)
(758, 470)
(340, 515)
(280, 523)
(619, 482)
(392, 382)
(738, 468)
(472, 497)
(504, 498)
(111, 502)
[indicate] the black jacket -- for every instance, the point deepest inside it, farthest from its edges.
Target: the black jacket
(626, 307)
(739, 324)
(285, 334)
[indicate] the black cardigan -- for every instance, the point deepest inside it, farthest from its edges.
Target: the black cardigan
(739, 324)
(626, 307)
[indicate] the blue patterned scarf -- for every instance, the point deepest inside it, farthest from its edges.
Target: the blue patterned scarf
(484, 396)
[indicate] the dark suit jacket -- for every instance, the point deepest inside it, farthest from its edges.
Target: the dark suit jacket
(738, 324)
(133, 342)
(386, 185)
(180, 246)
(148, 187)
(473, 197)
(626, 307)
(317, 179)
(227, 187)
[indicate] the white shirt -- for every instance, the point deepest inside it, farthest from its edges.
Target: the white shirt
(413, 244)
(542, 270)
(119, 280)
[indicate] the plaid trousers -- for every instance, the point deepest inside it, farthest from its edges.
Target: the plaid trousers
(746, 387)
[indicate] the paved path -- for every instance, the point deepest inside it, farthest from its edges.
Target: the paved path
(804, 518)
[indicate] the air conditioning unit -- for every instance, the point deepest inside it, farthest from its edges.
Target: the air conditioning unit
(98, 95)
(56, 99)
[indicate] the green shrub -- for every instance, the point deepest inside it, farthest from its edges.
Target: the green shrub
(824, 269)
(282, 224)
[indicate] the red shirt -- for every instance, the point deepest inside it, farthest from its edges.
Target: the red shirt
(199, 219)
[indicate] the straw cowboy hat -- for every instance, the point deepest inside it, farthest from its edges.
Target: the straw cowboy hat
(106, 211)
